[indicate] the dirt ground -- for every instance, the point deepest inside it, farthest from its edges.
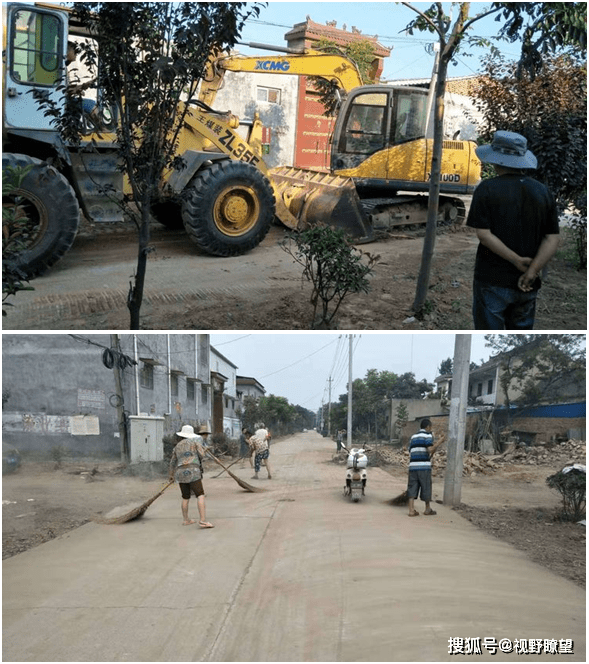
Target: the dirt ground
(41, 502)
(562, 301)
(264, 290)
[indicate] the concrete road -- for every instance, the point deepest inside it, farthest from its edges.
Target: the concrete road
(297, 573)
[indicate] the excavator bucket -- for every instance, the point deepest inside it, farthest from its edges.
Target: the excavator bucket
(311, 197)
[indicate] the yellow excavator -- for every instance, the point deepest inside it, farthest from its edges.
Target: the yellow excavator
(381, 149)
(225, 196)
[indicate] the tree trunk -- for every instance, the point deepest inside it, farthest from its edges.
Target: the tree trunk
(429, 242)
(135, 297)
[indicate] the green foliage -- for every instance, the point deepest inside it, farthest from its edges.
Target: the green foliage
(540, 366)
(446, 367)
(551, 112)
(277, 413)
(543, 27)
(372, 399)
(15, 234)
(332, 265)
(361, 52)
(572, 487)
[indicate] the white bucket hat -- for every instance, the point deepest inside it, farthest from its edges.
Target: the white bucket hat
(507, 149)
(187, 432)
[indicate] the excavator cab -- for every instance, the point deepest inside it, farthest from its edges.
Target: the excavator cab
(382, 140)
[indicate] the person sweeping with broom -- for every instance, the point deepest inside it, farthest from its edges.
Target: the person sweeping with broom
(186, 469)
(421, 450)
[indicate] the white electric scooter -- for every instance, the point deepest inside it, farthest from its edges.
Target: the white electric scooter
(356, 473)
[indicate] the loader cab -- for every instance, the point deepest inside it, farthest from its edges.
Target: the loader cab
(38, 41)
(34, 61)
(373, 120)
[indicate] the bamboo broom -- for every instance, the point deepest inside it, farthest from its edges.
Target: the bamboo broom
(133, 513)
(242, 483)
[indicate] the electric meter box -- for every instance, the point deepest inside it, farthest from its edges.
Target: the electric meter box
(147, 434)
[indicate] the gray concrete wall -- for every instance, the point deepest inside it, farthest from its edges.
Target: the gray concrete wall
(416, 410)
(59, 393)
(239, 95)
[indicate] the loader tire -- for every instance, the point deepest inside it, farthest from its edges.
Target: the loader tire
(47, 216)
(228, 208)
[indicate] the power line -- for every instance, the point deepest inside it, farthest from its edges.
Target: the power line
(245, 336)
(298, 361)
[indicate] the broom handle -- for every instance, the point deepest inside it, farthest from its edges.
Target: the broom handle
(224, 469)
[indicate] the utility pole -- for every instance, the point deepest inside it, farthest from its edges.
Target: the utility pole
(457, 424)
(329, 410)
(114, 342)
(349, 432)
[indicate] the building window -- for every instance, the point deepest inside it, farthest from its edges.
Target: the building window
(271, 95)
(204, 394)
(174, 384)
(146, 376)
(490, 387)
(190, 391)
(480, 390)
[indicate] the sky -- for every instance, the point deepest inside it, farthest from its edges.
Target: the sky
(297, 366)
(408, 59)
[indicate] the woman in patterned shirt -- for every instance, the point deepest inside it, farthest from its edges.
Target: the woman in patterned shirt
(259, 445)
(186, 469)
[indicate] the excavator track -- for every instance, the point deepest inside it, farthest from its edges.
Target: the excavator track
(405, 211)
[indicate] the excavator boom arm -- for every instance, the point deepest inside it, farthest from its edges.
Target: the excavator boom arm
(312, 63)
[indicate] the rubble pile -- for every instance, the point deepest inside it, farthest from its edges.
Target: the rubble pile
(555, 456)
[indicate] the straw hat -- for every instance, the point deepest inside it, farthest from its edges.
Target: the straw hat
(507, 149)
(204, 429)
(187, 432)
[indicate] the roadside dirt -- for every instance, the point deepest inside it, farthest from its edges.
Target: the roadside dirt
(41, 502)
(187, 290)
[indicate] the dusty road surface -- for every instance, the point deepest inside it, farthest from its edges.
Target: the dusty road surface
(296, 573)
(264, 289)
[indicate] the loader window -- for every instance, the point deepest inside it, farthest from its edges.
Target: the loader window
(365, 125)
(410, 117)
(36, 48)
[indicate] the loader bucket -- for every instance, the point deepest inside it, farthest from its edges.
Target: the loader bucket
(312, 197)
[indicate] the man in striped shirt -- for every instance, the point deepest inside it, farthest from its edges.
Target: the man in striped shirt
(421, 449)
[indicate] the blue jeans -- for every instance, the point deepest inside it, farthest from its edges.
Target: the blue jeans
(499, 308)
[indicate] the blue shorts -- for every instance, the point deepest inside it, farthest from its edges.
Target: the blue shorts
(258, 460)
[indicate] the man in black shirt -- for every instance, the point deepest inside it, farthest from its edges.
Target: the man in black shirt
(516, 220)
